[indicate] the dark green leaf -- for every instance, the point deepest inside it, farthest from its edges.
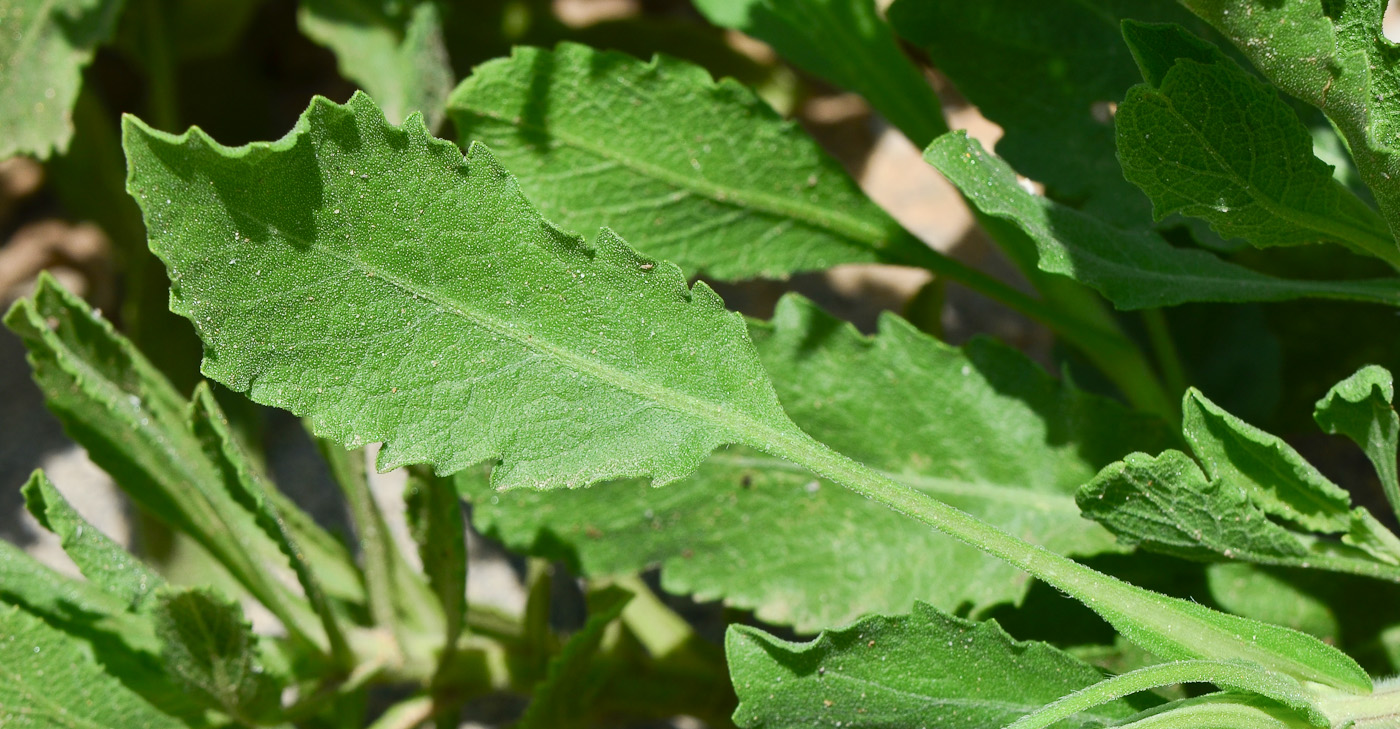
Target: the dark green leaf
(562, 698)
(211, 649)
(923, 669)
(847, 43)
(707, 175)
(1135, 269)
(435, 520)
(105, 563)
(1360, 408)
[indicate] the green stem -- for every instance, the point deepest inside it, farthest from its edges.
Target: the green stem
(1242, 677)
(1171, 628)
(1168, 359)
(160, 68)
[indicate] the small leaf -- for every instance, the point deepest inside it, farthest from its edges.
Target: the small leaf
(980, 427)
(48, 679)
(45, 46)
(435, 520)
(707, 175)
(104, 562)
(921, 669)
(512, 340)
(211, 649)
(1360, 408)
(563, 697)
(1227, 710)
(1213, 142)
(394, 51)
(1133, 269)
(847, 43)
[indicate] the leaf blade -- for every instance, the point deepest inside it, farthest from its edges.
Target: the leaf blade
(1360, 408)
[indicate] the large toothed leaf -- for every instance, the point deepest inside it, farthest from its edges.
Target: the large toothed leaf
(695, 171)
(1134, 269)
(980, 427)
(1336, 57)
(368, 277)
(1252, 498)
(48, 679)
(1205, 138)
(847, 43)
(210, 648)
(44, 46)
(1360, 407)
(394, 51)
(922, 669)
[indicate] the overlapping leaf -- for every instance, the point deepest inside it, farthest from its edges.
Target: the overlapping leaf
(1335, 57)
(1134, 269)
(1360, 407)
(43, 50)
(210, 648)
(305, 263)
(1205, 138)
(968, 676)
(706, 175)
(847, 43)
(981, 428)
(395, 51)
(1251, 498)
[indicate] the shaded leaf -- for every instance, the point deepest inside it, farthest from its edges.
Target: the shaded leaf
(211, 649)
(45, 46)
(1211, 141)
(104, 562)
(981, 428)
(435, 520)
(1360, 408)
(1134, 269)
(707, 175)
(907, 671)
(562, 699)
(847, 43)
(393, 50)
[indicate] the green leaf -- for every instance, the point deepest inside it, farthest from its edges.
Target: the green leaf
(906, 671)
(847, 43)
(131, 421)
(981, 428)
(44, 48)
(1256, 500)
(1226, 710)
(211, 649)
(1133, 269)
(707, 175)
(48, 679)
(562, 699)
(104, 562)
(435, 520)
(1337, 58)
(1213, 142)
(1360, 408)
(393, 50)
(630, 373)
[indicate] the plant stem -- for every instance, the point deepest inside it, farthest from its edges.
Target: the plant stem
(160, 68)
(1168, 359)
(1171, 628)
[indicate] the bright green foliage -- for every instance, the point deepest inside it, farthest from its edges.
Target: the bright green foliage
(43, 49)
(847, 43)
(1360, 408)
(1224, 710)
(47, 679)
(211, 649)
(569, 684)
(1048, 73)
(861, 676)
(707, 175)
(393, 50)
(1335, 57)
(1251, 498)
(1207, 139)
(102, 561)
(302, 260)
(1133, 269)
(981, 428)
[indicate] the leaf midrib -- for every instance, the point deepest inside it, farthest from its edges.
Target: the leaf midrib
(843, 225)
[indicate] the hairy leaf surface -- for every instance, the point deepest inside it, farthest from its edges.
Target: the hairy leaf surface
(980, 427)
(568, 685)
(210, 648)
(43, 49)
(706, 175)
(1134, 269)
(1360, 407)
(305, 263)
(847, 43)
(927, 668)
(1205, 138)
(395, 51)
